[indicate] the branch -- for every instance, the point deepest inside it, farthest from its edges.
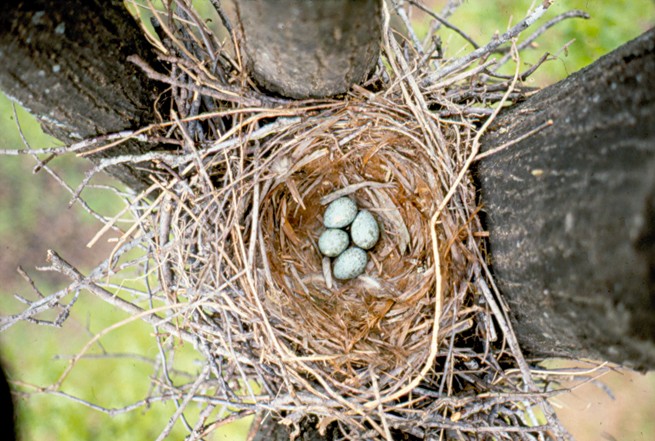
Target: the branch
(491, 47)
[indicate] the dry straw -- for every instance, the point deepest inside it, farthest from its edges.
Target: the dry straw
(420, 343)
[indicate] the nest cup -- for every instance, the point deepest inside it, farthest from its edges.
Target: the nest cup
(370, 320)
(306, 322)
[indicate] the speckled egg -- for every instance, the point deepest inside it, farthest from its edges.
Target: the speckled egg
(350, 264)
(365, 231)
(333, 242)
(340, 213)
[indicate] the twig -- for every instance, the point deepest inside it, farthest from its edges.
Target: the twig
(400, 10)
(506, 326)
(78, 147)
(536, 34)
(450, 8)
(226, 93)
(490, 47)
(475, 149)
(380, 408)
(43, 165)
(514, 141)
(221, 13)
(444, 22)
(176, 160)
(185, 402)
(524, 75)
(134, 311)
(35, 308)
(188, 13)
(147, 402)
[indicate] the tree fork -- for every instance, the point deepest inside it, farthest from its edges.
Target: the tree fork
(65, 61)
(573, 250)
(571, 211)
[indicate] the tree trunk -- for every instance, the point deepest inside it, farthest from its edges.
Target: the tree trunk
(301, 49)
(65, 61)
(571, 211)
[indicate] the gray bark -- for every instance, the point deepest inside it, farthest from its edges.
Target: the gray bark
(301, 48)
(65, 61)
(571, 212)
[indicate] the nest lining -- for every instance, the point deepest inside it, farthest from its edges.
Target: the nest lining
(375, 320)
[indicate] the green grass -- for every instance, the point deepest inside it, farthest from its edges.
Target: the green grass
(34, 217)
(37, 357)
(110, 383)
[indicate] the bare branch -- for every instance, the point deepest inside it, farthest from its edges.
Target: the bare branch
(490, 47)
(536, 34)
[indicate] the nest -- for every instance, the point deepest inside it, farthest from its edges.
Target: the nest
(298, 319)
(370, 353)
(381, 320)
(420, 343)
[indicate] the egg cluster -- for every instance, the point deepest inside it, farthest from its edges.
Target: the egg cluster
(346, 223)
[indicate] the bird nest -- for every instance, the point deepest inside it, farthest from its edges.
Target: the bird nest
(274, 288)
(248, 248)
(418, 344)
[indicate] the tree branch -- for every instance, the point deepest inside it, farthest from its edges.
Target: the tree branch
(571, 211)
(66, 62)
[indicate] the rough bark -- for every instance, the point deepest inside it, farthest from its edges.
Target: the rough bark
(268, 428)
(65, 61)
(571, 211)
(301, 48)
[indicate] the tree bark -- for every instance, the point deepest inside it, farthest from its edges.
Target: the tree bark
(571, 211)
(268, 428)
(65, 61)
(302, 49)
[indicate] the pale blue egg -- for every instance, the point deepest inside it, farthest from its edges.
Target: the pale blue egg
(340, 213)
(333, 242)
(350, 264)
(365, 231)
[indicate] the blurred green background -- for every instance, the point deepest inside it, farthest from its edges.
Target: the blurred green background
(34, 217)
